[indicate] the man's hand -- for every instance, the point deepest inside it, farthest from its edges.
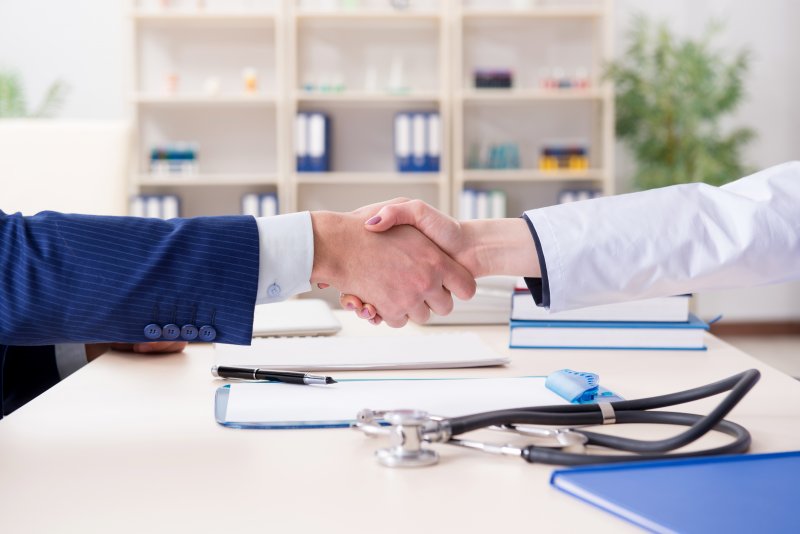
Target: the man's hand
(484, 247)
(402, 273)
(96, 349)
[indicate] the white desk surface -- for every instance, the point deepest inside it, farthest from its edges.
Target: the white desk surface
(129, 444)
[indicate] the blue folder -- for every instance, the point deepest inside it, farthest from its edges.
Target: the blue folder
(730, 494)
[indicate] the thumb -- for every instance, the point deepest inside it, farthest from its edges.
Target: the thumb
(438, 227)
(392, 215)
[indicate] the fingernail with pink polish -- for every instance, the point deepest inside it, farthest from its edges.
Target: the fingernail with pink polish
(350, 306)
(373, 221)
(365, 313)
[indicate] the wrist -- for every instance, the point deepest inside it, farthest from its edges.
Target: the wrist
(501, 247)
(332, 240)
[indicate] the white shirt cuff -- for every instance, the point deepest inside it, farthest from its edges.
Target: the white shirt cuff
(286, 256)
(69, 358)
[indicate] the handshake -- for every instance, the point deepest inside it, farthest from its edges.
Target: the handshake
(403, 259)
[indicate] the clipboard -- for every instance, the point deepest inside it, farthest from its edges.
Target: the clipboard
(272, 405)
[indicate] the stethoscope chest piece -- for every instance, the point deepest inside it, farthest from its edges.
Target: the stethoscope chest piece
(406, 440)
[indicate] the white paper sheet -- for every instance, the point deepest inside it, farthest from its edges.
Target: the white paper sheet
(350, 353)
(286, 405)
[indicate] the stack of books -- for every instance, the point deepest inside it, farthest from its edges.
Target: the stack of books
(658, 323)
(490, 305)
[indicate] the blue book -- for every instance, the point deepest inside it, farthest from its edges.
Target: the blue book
(689, 335)
(731, 494)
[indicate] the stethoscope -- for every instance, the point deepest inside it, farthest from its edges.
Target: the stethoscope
(410, 430)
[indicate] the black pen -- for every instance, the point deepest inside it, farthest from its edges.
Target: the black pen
(289, 377)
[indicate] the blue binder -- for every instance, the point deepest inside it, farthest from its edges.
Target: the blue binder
(433, 138)
(402, 141)
(730, 494)
(417, 141)
(312, 142)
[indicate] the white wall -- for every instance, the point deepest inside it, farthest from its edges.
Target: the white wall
(770, 29)
(86, 42)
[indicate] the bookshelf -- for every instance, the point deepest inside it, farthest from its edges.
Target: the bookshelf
(381, 61)
(361, 62)
(532, 40)
(209, 73)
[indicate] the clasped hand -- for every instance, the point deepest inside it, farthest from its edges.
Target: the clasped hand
(402, 259)
(400, 272)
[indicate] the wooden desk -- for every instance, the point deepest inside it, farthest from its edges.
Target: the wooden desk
(129, 444)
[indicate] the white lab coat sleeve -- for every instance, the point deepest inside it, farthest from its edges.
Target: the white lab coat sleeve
(674, 240)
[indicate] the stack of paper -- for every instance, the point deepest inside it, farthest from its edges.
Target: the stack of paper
(273, 405)
(490, 305)
(437, 351)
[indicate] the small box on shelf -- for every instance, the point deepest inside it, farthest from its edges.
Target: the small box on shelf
(174, 158)
(493, 78)
(564, 156)
(498, 156)
(557, 78)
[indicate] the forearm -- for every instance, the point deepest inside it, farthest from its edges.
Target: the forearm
(678, 239)
(499, 247)
(79, 278)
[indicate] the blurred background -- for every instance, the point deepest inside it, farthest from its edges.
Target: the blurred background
(482, 108)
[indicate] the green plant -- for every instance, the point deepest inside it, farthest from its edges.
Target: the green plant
(671, 94)
(13, 103)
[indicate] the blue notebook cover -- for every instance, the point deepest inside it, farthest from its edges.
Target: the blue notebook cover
(609, 335)
(730, 494)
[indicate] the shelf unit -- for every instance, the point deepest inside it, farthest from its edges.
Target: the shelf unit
(246, 141)
(346, 45)
(527, 36)
(204, 47)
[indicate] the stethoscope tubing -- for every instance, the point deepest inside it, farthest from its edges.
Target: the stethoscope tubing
(629, 412)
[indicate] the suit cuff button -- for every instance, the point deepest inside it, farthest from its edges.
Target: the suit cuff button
(152, 331)
(274, 291)
(207, 333)
(189, 332)
(171, 332)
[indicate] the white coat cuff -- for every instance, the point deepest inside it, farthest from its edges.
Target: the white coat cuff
(548, 247)
(286, 256)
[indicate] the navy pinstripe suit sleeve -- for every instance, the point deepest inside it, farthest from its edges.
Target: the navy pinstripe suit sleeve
(82, 278)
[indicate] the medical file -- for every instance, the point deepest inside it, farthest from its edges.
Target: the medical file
(731, 494)
(432, 351)
(276, 405)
